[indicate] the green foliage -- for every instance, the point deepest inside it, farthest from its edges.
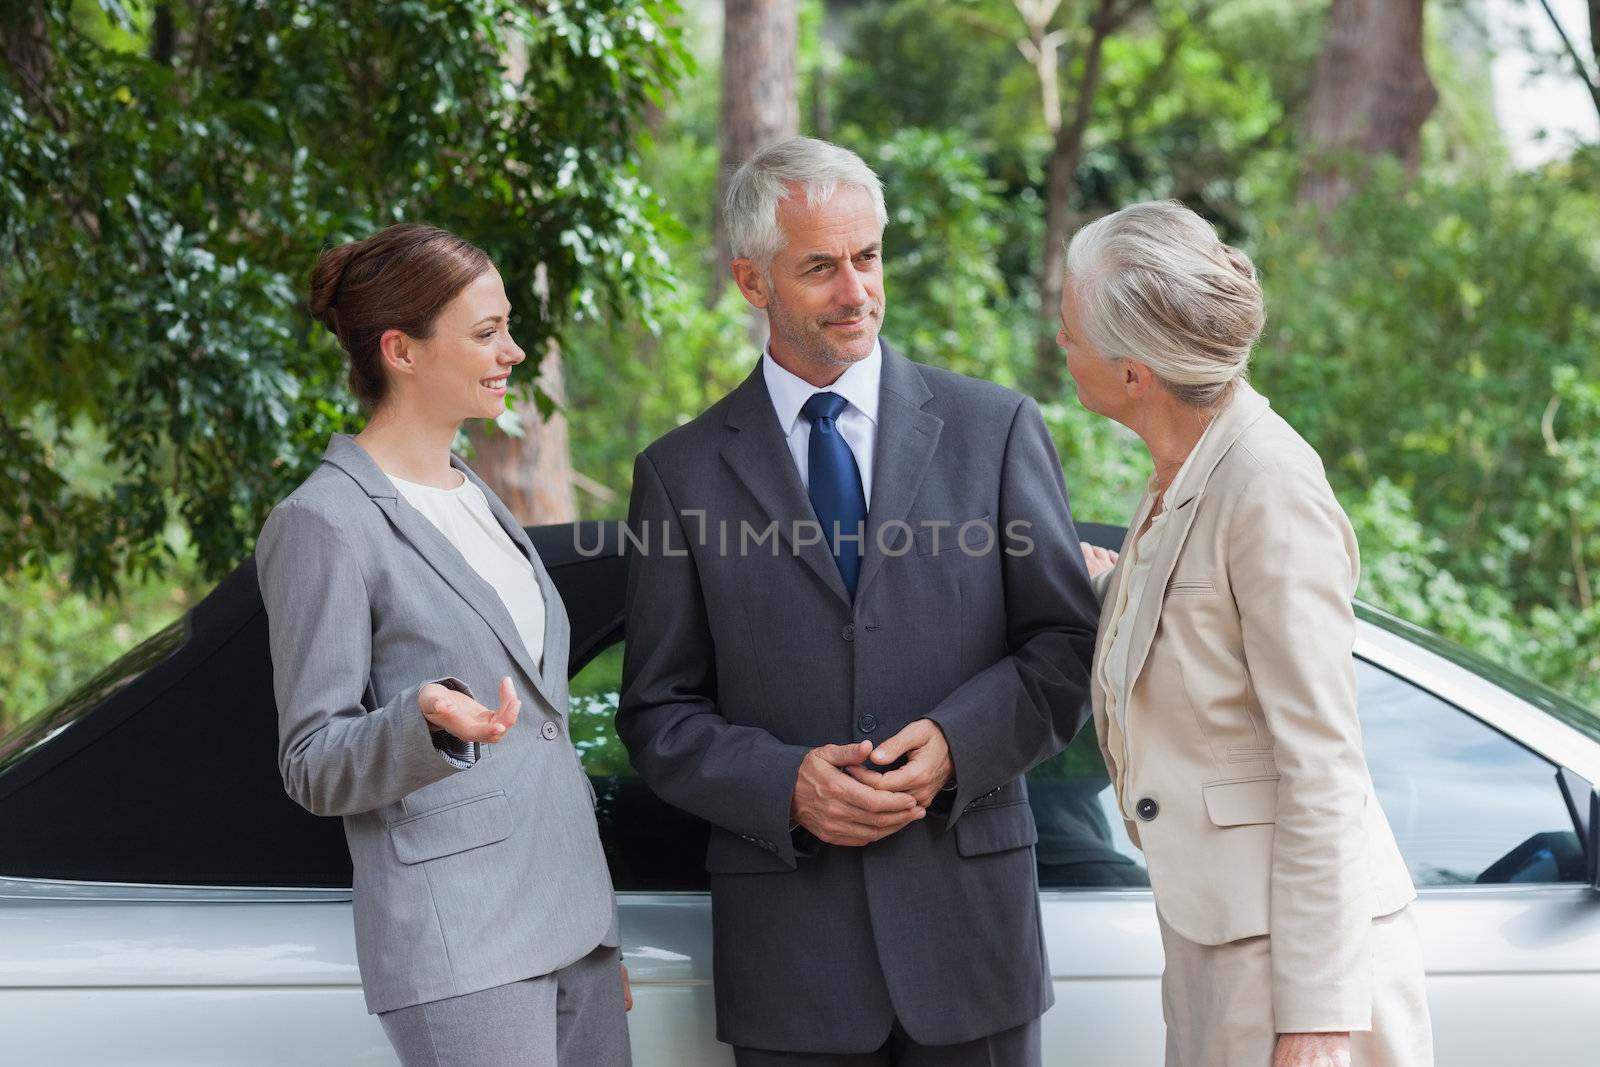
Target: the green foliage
(1418, 340)
(1438, 342)
(946, 300)
(55, 637)
(158, 222)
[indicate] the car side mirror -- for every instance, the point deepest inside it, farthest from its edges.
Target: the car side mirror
(1583, 804)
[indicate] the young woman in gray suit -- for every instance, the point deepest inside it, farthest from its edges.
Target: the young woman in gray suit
(419, 657)
(1223, 685)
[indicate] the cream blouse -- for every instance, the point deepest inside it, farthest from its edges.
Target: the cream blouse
(462, 514)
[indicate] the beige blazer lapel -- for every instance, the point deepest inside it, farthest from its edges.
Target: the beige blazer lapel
(1247, 406)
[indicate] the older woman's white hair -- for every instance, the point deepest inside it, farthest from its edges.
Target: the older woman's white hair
(1155, 284)
(750, 211)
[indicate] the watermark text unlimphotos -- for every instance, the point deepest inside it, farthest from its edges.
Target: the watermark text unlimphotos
(663, 537)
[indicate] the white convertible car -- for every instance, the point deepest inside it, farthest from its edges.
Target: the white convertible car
(163, 902)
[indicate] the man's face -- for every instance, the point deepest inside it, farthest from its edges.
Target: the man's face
(824, 290)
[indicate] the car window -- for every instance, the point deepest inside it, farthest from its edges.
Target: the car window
(650, 845)
(654, 846)
(1467, 803)
(1082, 841)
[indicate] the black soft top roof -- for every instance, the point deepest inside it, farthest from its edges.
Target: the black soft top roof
(163, 768)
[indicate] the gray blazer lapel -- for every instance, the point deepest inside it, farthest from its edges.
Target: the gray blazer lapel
(557, 630)
(760, 457)
(907, 438)
(344, 453)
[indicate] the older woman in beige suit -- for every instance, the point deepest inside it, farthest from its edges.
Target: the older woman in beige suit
(1223, 686)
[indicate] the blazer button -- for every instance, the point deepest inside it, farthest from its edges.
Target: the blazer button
(1147, 809)
(867, 723)
(849, 631)
(548, 731)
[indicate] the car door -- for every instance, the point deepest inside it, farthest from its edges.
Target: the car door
(657, 858)
(1511, 931)
(1510, 928)
(1099, 918)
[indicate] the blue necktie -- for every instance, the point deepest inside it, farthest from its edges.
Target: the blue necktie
(836, 493)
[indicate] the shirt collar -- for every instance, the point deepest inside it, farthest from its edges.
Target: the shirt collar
(789, 392)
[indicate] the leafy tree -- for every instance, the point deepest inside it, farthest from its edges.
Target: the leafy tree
(1440, 348)
(168, 174)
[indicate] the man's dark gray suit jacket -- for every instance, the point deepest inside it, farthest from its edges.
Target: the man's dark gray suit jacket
(740, 662)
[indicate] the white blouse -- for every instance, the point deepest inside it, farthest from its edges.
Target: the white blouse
(462, 514)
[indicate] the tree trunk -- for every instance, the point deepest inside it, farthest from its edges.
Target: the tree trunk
(760, 101)
(1065, 155)
(25, 47)
(532, 473)
(163, 36)
(1370, 95)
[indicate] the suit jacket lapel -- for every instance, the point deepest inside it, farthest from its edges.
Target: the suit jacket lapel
(344, 453)
(760, 458)
(907, 438)
(1247, 406)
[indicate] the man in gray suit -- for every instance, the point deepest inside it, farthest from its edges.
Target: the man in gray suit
(857, 615)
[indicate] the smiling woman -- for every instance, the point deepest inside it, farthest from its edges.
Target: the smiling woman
(399, 591)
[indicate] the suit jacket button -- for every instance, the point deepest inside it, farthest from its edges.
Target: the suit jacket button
(867, 723)
(548, 731)
(849, 631)
(1147, 809)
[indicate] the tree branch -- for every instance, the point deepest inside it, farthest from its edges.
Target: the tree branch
(1578, 64)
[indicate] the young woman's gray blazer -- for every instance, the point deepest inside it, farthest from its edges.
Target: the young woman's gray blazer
(471, 871)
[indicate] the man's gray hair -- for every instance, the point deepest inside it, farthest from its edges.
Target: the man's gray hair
(1156, 285)
(750, 212)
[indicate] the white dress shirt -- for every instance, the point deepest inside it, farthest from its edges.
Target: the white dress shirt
(858, 423)
(462, 514)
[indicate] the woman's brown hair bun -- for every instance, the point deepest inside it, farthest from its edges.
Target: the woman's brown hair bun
(325, 279)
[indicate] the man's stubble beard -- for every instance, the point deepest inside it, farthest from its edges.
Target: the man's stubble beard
(807, 339)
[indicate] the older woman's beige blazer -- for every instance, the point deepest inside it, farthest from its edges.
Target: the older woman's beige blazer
(1241, 774)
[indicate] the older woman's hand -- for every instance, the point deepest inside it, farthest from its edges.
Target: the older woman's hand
(1312, 1050)
(1099, 559)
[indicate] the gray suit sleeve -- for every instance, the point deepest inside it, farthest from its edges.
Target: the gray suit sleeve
(740, 778)
(336, 756)
(1025, 708)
